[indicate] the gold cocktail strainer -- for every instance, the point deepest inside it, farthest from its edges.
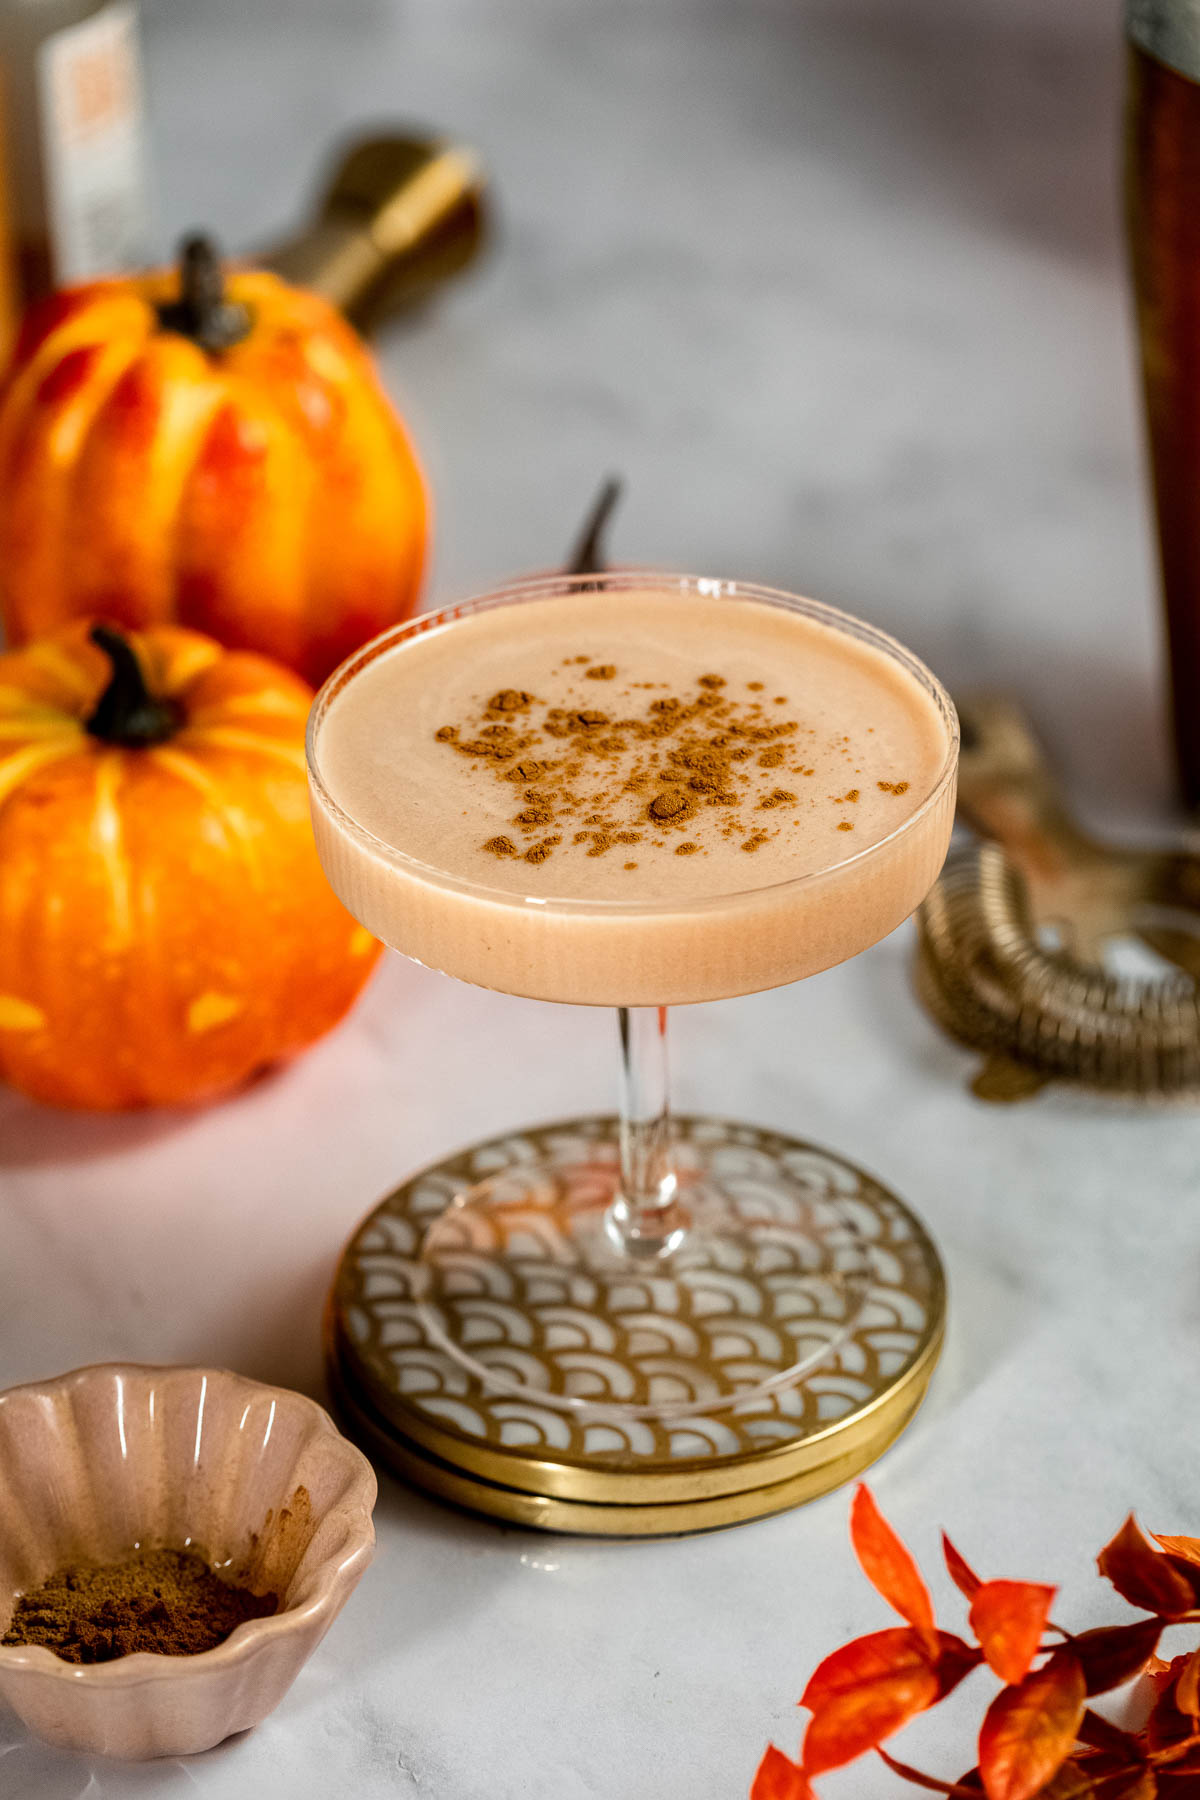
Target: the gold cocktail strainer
(1017, 939)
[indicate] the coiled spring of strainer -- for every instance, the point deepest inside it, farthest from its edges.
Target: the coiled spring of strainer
(1038, 1013)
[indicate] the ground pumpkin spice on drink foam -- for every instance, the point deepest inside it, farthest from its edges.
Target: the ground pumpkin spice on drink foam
(692, 751)
(168, 1602)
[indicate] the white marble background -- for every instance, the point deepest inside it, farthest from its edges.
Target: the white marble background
(837, 284)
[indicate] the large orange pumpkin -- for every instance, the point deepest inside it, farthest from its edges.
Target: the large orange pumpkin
(214, 452)
(165, 928)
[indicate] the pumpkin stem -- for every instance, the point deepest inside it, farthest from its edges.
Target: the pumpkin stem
(588, 558)
(127, 713)
(202, 312)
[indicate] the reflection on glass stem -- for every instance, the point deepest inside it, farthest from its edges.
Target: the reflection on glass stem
(646, 1220)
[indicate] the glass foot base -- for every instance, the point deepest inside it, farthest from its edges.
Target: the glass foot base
(754, 1280)
(484, 1311)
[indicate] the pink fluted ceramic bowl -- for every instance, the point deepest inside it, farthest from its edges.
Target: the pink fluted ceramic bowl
(104, 1459)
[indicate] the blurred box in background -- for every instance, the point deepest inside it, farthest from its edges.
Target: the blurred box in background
(74, 140)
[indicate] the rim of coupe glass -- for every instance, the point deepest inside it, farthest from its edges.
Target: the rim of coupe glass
(547, 587)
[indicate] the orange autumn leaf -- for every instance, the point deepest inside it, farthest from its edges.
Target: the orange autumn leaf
(1101, 1734)
(1008, 1618)
(779, 1778)
(961, 1573)
(1141, 1784)
(1086, 1781)
(1183, 1553)
(886, 1563)
(1187, 1688)
(864, 1692)
(1030, 1730)
(1142, 1575)
(1073, 1781)
(1170, 1730)
(1113, 1654)
(954, 1660)
(1187, 1549)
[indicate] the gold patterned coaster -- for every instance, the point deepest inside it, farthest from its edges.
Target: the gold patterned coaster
(542, 1512)
(554, 1422)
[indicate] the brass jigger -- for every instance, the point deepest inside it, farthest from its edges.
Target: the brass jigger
(398, 217)
(985, 969)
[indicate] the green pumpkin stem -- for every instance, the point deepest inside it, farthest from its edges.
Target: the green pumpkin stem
(202, 313)
(588, 558)
(127, 713)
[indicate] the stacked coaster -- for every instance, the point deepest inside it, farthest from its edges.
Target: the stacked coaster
(522, 1447)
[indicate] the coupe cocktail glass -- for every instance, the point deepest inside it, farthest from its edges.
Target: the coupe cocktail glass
(643, 1277)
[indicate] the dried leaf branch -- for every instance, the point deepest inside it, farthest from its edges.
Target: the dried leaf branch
(1039, 1739)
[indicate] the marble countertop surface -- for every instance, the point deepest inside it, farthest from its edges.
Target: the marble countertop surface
(837, 285)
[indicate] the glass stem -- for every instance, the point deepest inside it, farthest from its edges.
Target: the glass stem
(645, 1220)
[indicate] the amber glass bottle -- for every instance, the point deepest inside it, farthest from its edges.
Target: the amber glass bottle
(9, 305)
(1162, 176)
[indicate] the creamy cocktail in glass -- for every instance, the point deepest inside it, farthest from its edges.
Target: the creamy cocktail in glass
(638, 791)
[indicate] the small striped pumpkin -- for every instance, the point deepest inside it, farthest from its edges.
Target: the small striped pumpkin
(209, 450)
(165, 928)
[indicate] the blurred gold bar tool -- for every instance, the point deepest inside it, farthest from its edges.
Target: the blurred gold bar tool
(398, 217)
(1011, 942)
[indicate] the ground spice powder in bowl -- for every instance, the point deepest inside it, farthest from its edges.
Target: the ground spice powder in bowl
(174, 1544)
(167, 1602)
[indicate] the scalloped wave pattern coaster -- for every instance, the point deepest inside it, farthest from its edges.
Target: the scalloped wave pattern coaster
(557, 1350)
